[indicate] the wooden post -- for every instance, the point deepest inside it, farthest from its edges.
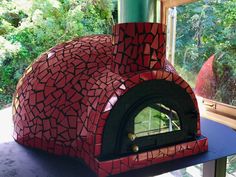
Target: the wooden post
(166, 4)
(215, 168)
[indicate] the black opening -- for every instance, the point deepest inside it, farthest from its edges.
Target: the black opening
(122, 135)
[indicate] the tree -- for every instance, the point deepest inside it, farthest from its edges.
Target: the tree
(203, 29)
(30, 27)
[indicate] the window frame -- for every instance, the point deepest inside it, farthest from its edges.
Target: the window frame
(211, 109)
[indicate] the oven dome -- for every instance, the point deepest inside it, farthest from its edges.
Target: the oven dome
(65, 100)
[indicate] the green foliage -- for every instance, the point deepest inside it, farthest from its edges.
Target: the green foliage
(28, 28)
(225, 67)
(203, 29)
(232, 164)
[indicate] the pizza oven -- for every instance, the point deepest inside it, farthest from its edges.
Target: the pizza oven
(114, 101)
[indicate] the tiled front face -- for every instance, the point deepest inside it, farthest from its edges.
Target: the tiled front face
(141, 160)
(64, 98)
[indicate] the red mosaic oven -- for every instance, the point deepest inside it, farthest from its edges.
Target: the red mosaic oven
(113, 101)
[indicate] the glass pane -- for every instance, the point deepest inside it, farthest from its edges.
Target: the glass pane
(197, 170)
(156, 119)
(205, 49)
(231, 166)
(193, 171)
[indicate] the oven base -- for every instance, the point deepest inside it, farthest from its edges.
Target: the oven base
(127, 163)
(140, 160)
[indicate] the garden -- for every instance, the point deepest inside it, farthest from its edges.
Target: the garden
(30, 27)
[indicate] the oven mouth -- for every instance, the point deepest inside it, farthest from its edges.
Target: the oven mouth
(123, 135)
(155, 119)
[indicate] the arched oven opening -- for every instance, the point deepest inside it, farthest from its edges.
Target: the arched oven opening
(153, 114)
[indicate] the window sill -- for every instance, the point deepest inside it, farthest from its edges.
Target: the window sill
(219, 112)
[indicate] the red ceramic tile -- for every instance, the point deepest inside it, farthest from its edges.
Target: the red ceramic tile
(154, 29)
(140, 27)
(130, 29)
(147, 49)
(154, 44)
(147, 27)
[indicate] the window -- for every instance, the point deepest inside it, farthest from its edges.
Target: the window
(204, 36)
(205, 49)
(156, 119)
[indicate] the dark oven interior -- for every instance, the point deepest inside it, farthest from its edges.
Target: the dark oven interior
(151, 115)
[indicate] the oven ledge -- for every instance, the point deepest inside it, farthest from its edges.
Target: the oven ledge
(140, 160)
